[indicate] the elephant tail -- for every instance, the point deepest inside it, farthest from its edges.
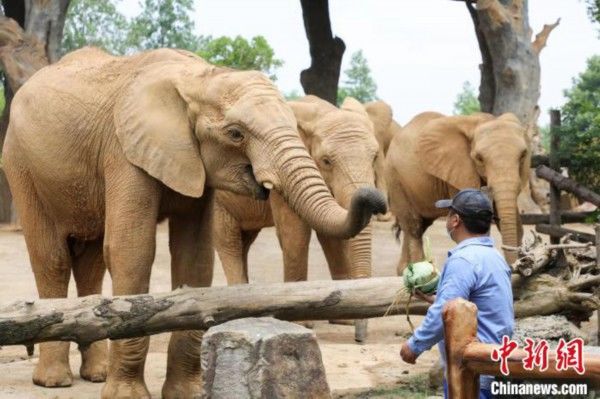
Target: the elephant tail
(396, 229)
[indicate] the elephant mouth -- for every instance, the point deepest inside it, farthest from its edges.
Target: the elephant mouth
(259, 191)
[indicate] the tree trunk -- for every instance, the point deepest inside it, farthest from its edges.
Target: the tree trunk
(30, 38)
(91, 318)
(510, 68)
(326, 52)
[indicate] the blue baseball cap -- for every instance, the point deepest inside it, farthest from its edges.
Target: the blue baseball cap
(469, 203)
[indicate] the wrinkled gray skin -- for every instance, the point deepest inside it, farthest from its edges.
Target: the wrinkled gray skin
(100, 148)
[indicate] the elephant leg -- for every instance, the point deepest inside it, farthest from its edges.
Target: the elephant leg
(51, 264)
(248, 237)
(88, 271)
(132, 203)
(336, 254)
(228, 243)
(294, 237)
(192, 263)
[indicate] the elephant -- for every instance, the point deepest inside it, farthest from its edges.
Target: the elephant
(385, 128)
(343, 144)
(100, 148)
(434, 156)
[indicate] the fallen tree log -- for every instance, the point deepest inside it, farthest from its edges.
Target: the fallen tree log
(87, 319)
(564, 183)
(565, 217)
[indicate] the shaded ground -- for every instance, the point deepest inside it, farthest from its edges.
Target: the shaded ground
(350, 367)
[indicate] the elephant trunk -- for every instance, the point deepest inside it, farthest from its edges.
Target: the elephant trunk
(359, 247)
(506, 206)
(303, 188)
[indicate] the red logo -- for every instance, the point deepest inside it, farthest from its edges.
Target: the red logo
(502, 353)
(537, 354)
(570, 354)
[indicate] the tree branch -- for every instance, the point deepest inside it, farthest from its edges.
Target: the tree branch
(541, 38)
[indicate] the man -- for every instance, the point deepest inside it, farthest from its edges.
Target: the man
(475, 271)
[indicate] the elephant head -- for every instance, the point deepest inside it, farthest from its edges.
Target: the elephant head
(190, 125)
(384, 127)
(468, 151)
(342, 142)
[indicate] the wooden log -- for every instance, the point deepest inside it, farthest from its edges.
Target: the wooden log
(561, 231)
(93, 318)
(460, 329)
(565, 217)
(566, 184)
(541, 159)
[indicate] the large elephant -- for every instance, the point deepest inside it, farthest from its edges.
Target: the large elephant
(434, 156)
(100, 148)
(345, 149)
(385, 127)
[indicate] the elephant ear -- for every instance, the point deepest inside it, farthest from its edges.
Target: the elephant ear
(381, 115)
(306, 113)
(444, 150)
(155, 132)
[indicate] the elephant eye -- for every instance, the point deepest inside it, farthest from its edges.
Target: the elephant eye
(235, 135)
(326, 161)
(479, 158)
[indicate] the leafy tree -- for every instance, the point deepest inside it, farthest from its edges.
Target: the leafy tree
(580, 132)
(95, 23)
(164, 23)
(292, 95)
(594, 10)
(466, 102)
(240, 53)
(359, 83)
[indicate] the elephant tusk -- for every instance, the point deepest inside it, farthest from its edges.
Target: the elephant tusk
(268, 185)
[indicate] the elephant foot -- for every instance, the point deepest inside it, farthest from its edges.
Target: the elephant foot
(52, 375)
(124, 389)
(94, 362)
(180, 389)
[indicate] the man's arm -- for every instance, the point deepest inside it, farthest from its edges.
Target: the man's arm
(457, 282)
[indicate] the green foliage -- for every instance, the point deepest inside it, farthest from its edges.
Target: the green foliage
(466, 102)
(292, 95)
(594, 10)
(95, 23)
(359, 83)
(163, 23)
(580, 132)
(545, 135)
(240, 53)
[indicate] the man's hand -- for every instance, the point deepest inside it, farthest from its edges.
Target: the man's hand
(424, 297)
(407, 354)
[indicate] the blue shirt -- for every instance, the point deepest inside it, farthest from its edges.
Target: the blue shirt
(477, 272)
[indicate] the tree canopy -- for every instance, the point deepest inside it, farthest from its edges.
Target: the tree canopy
(95, 23)
(466, 102)
(358, 83)
(164, 23)
(240, 53)
(580, 132)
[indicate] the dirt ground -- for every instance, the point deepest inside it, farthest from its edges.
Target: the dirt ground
(349, 366)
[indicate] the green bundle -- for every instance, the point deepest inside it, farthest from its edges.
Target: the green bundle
(422, 276)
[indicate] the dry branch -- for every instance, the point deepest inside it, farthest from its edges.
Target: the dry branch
(541, 38)
(564, 183)
(92, 318)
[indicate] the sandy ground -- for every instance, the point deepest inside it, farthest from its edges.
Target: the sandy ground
(349, 366)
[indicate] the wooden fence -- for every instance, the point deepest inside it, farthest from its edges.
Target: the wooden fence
(467, 358)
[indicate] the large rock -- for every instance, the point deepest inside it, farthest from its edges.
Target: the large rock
(262, 358)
